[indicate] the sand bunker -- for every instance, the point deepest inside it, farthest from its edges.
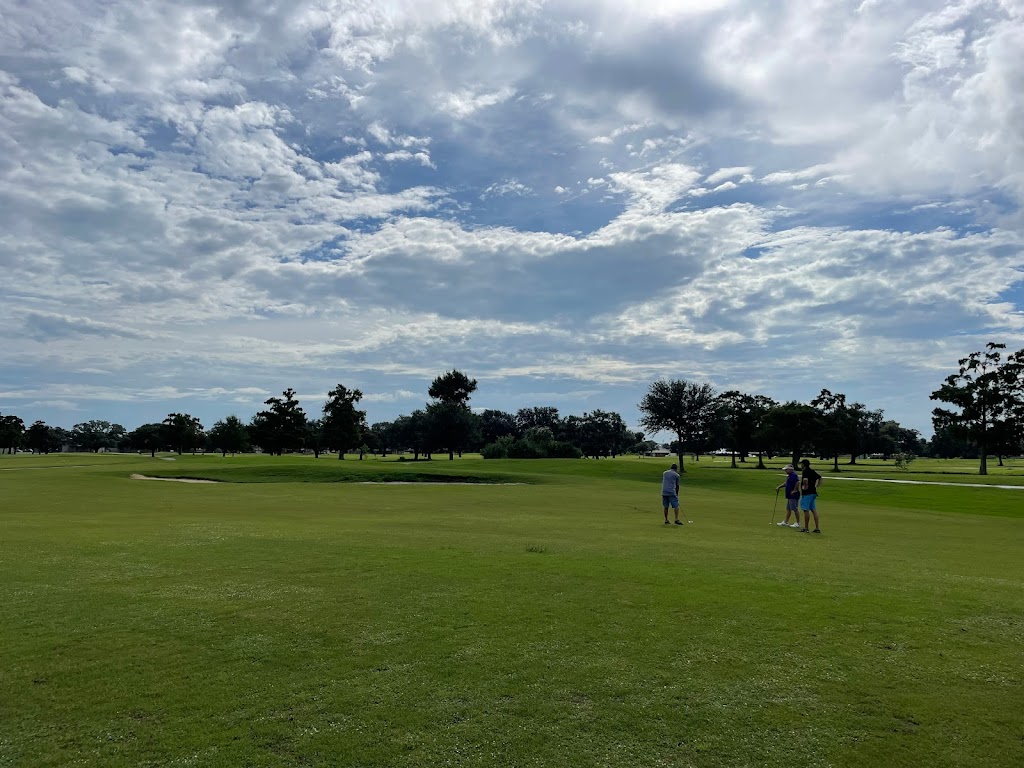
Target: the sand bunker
(171, 479)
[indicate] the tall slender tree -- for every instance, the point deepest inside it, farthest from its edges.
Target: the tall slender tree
(452, 424)
(343, 424)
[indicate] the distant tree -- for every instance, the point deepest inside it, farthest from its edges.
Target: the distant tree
(414, 432)
(836, 425)
(599, 433)
(741, 416)
(316, 437)
(544, 416)
(451, 423)
(791, 426)
(686, 409)
(982, 394)
(452, 427)
(343, 423)
(37, 437)
(183, 432)
(452, 388)
(383, 437)
(12, 428)
(495, 424)
(229, 435)
(148, 437)
(58, 438)
(281, 427)
(96, 434)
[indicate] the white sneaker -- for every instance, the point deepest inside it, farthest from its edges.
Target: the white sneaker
(783, 524)
(796, 525)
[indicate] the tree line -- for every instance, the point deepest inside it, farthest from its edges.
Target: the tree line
(986, 417)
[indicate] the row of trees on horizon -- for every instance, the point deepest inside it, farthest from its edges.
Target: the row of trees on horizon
(986, 417)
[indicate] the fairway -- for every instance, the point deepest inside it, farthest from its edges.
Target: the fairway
(538, 613)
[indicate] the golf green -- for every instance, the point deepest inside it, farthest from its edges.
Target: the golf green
(509, 613)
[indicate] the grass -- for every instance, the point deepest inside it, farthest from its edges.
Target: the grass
(285, 617)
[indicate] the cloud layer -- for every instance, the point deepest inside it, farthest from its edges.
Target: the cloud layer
(209, 202)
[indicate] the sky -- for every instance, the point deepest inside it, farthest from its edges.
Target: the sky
(205, 203)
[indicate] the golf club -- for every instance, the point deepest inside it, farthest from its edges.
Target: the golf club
(775, 507)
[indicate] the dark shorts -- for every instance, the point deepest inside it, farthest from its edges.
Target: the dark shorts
(792, 505)
(670, 501)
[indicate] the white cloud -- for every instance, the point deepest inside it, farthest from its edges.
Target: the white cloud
(234, 194)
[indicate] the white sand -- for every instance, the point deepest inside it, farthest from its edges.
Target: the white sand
(171, 479)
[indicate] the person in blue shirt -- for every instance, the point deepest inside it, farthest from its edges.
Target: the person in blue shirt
(670, 492)
(792, 486)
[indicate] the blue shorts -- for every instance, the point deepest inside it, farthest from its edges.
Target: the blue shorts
(792, 505)
(670, 501)
(807, 502)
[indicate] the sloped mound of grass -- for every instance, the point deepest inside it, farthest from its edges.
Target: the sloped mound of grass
(288, 470)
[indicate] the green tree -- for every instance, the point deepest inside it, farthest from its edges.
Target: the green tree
(96, 434)
(451, 424)
(835, 425)
(148, 437)
(11, 430)
(686, 409)
(343, 423)
(495, 424)
(183, 432)
(543, 416)
(791, 426)
(229, 435)
(37, 437)
(281, 427)
(982, 393)
(383, 433)
(452, 388)
(741, 418)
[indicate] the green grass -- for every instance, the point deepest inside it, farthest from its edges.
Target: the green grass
(287, 617)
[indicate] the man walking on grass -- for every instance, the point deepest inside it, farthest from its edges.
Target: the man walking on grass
(792, 486)
(809, 482)
(670, 492)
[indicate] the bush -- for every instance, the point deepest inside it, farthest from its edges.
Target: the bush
(903, 460)
(509, 448)
(499, 448)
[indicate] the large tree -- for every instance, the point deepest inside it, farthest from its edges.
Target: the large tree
(229, 435)
(281, 427)
(148, 437)
(792, 427)
(343, 424)
(837, 425)
(452, 425)
(453, 388)
(11, 430)
(741, 417)
(542, 416)
(983, 392)
(495, 424)
(684, 408)
(38, 437)
(183, 432)
(97, 434)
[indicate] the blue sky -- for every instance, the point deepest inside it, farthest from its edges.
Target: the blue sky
(202, 204)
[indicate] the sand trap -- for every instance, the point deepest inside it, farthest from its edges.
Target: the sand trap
(424, 482)
(171, 479)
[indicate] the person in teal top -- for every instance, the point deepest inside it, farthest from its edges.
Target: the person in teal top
(809, 482)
